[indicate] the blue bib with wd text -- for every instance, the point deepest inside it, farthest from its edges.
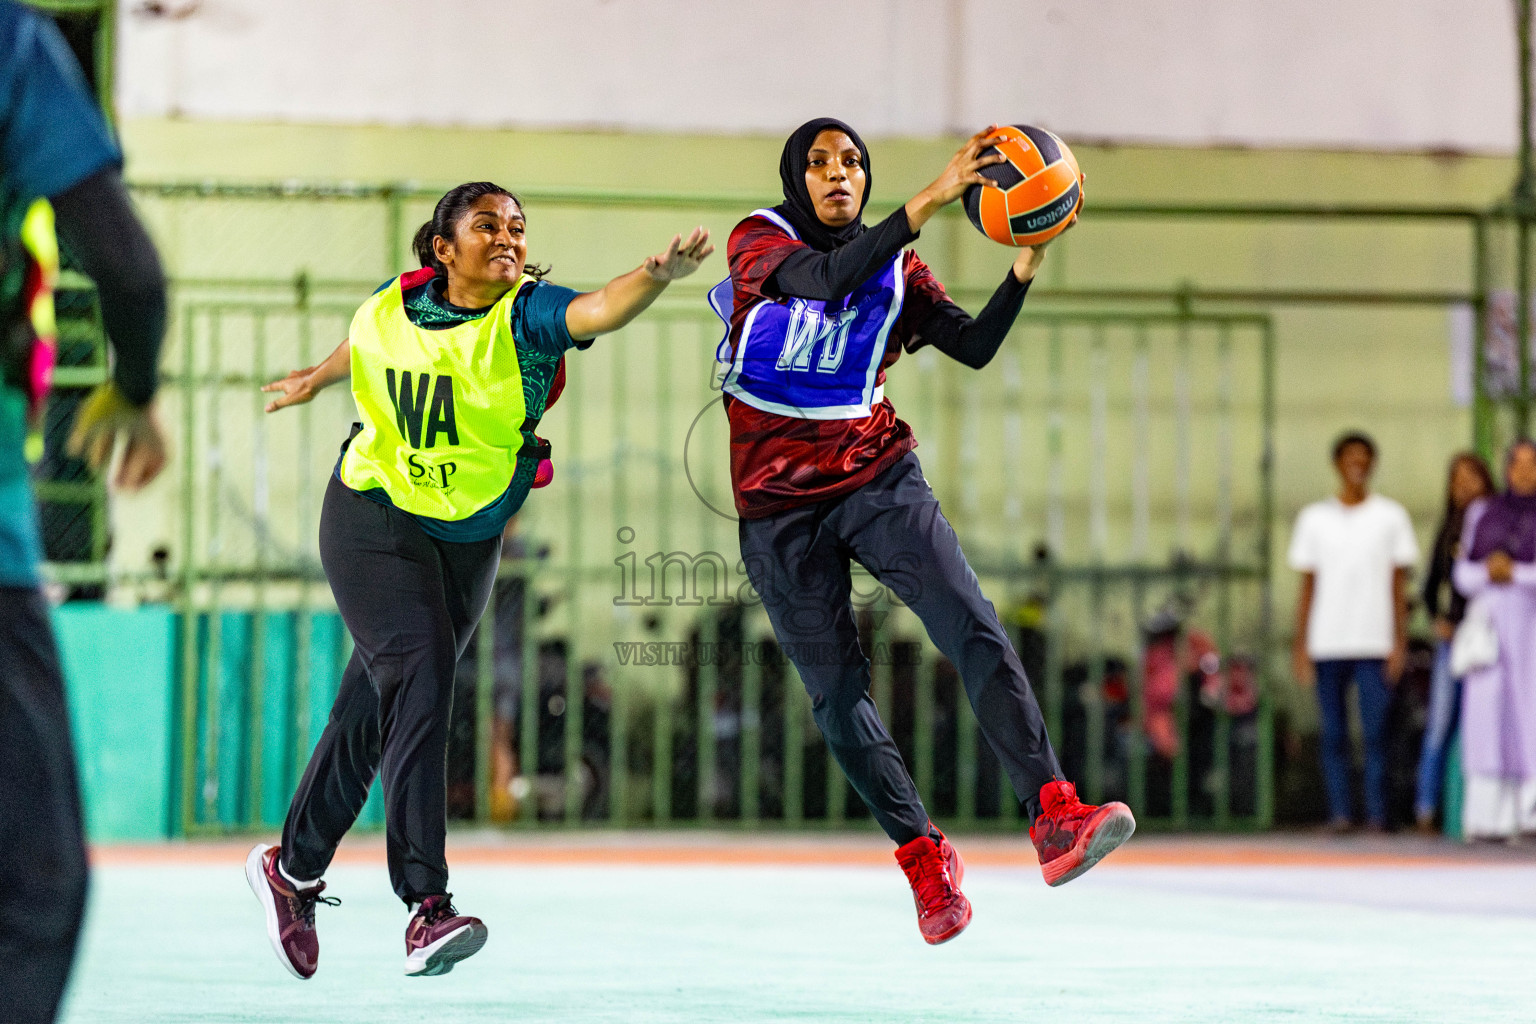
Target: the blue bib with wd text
(807, 358)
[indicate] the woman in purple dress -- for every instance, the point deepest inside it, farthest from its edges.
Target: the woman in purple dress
(1496, 571)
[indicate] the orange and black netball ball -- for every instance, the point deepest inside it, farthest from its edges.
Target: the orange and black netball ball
(1042, 188)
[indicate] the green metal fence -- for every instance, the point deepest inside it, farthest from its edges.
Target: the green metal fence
(637, 680)
(1127, 435)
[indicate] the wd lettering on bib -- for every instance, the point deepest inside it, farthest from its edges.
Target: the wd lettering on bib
(410, 403)
(810, 327)
(808, 358)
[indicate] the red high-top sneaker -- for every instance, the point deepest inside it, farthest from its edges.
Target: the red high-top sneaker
(935, 871)
(1072, 836)
(439, 937)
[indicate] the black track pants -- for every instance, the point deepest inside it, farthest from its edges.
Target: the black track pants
(410, 602)
(799, 563)
(42, 840)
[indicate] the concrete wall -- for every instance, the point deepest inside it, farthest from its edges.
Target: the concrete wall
(1367, 73)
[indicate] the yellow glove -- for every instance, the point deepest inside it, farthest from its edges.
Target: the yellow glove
(104, 415)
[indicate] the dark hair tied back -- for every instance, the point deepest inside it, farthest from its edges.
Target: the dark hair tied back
(445, 219)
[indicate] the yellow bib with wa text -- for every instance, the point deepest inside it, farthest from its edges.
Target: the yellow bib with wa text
(442, 410)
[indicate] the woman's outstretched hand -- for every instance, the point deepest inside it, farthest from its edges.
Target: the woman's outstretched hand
(297, 388)
(962, 171)
(682, 257)
(301, 386)
(627, 296)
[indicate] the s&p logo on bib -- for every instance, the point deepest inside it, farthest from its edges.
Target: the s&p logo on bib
(438, 475)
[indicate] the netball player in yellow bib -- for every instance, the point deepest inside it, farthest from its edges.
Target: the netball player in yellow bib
(451, 368)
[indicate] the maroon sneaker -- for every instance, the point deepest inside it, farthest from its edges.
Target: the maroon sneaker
(1072, 836)
(935, 871)
(290, 911)
(439, 937)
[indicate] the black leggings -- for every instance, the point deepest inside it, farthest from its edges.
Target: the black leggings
(42, 842)
(410, 602)
(798, 561)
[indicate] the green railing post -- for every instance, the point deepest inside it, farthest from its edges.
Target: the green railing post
(1223, 752)
(704, 714)
(1484, 410)
(214, 674)
(575, 696)
(661, 760)
(304, 632)
(923, 671)
(1181, 715)
(528, 712)
(188, 576)
(751, 730)
(1266, 802)
(1093, 781)
(664, 717)
(618, 715)
(485, 707)
(1136, 747)
(257, 654)
(794, 745)
(967, 770)
(882, 667)
(1055, 658)
(575, 684)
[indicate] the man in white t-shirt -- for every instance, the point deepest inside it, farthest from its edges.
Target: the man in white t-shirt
(1354, 552)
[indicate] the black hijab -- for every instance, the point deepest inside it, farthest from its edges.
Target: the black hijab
(797, 207)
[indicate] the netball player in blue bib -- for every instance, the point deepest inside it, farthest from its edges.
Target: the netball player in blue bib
(818, 309)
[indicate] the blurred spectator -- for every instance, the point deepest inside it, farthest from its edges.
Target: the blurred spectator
(1496, 570)
(1469, 480)
(1173, 652)
(1353, 551)
(1182, 665)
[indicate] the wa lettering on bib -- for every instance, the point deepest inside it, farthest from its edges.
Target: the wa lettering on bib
(442, 410)
(807, 358)
(411, 403)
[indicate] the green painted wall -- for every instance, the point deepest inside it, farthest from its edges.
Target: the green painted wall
(122, 676)
(201, 150)
(119, 668)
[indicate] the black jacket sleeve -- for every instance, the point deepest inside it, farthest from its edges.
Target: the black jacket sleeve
(973, 342)
(808, 274)
(96, 224)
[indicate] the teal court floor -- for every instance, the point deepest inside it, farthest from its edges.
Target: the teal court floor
(684, 928)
